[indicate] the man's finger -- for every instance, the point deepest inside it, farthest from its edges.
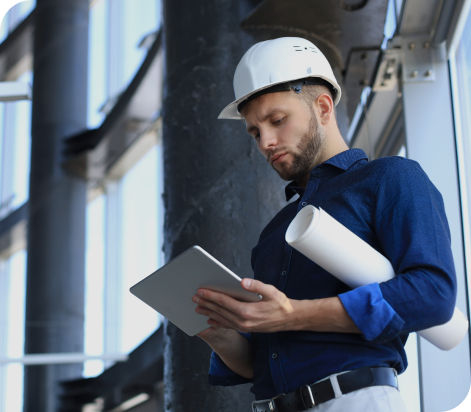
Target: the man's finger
(221, 299)
(212, 309)
(215, 318)
(256, 286)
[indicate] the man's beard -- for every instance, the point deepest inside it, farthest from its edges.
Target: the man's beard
(307, 154)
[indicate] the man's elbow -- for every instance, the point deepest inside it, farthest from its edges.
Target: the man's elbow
(443, 307)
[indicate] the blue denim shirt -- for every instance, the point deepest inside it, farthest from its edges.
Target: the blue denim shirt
(392, 205)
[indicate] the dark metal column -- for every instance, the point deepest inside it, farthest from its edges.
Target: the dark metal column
(56, 228)
(219, 192)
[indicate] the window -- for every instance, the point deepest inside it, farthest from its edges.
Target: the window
(140, 245)
(460, 67)
(94, 284)
(3, 29)
(142, 17)
(15, 16)
(12, 317)
(97, 46)
(15, 122)
(115, 32)
(15, 143)
(124, 238)
(124, 214)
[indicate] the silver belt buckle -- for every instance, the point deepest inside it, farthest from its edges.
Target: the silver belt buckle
(264, 406)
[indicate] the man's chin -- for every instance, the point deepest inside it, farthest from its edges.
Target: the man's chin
(290, 176)
(285, 175)
(282, 173)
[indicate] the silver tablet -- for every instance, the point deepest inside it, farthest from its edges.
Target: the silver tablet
(169, 290)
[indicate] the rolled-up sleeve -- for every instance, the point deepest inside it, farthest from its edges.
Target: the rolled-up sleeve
(412, 232)
(371, 313)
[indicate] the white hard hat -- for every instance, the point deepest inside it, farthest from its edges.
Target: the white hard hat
(274, 62)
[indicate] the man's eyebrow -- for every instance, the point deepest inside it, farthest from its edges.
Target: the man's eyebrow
(270, 113)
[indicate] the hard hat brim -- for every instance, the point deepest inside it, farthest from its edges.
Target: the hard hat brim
(231, 111)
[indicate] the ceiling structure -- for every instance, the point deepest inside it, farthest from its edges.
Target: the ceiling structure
(350, 34)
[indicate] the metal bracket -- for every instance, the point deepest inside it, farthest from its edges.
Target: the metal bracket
(388, 71)
(419, 58)
(413, 58)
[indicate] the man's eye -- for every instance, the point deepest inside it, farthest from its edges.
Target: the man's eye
(277, 122)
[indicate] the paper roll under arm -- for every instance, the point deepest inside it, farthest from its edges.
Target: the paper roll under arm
(324, 240)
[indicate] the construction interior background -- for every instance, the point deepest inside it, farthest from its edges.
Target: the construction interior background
(112, 161)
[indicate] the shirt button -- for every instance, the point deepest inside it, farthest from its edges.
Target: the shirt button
(274, 355)
(303, 204)
(283, 273)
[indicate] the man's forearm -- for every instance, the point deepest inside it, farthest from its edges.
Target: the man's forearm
(321, 315)
(274, 313)
(232, 348)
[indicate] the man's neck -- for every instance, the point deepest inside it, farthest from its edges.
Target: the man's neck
(302, 182)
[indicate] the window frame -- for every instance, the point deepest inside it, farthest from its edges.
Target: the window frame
(464, 180)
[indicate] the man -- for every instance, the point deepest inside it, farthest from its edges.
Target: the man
(313, 343)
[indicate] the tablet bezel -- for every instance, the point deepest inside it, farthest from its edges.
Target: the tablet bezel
(169, 290)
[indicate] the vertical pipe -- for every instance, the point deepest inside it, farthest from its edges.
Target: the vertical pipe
(56, 227)
(219, 192)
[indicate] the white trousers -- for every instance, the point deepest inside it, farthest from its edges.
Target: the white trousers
(371, 399)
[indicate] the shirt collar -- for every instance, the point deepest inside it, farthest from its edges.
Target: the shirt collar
(342, 161)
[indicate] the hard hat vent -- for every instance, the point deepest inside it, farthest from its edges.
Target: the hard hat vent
(302, 48)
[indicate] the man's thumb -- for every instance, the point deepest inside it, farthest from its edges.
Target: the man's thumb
(247, 283)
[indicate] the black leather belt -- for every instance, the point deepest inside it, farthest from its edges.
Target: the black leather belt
(308, 396)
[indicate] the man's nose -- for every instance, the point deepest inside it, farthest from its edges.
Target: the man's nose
(268, 139)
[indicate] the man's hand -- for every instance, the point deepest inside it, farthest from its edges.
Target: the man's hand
(274, 313)
(232, 348)
(271, 314)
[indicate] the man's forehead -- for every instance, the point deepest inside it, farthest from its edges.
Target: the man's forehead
(265, 104)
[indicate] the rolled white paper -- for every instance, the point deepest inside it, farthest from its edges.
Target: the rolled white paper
(449, 334)
(324, 240)
(339, 251)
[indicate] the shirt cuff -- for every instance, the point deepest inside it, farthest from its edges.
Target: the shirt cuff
(220, 374)
(371, 313)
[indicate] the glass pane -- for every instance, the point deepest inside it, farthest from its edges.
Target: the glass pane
(4, 291)
(391, 20)
(94, 284)
(14, 388)
(22, 132)
(409, 383)
(3, 205)
(18, 13)
(15, 130)
(13, 282)
(462, 87)
(26, 7)
(463, 68)
(140, 18)
(3, 29)
(97, 56)
(140, 245)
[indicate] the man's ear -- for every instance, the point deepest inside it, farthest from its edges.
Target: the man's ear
(324, 106)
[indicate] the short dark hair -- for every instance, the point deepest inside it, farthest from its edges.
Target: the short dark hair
(295, 85)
